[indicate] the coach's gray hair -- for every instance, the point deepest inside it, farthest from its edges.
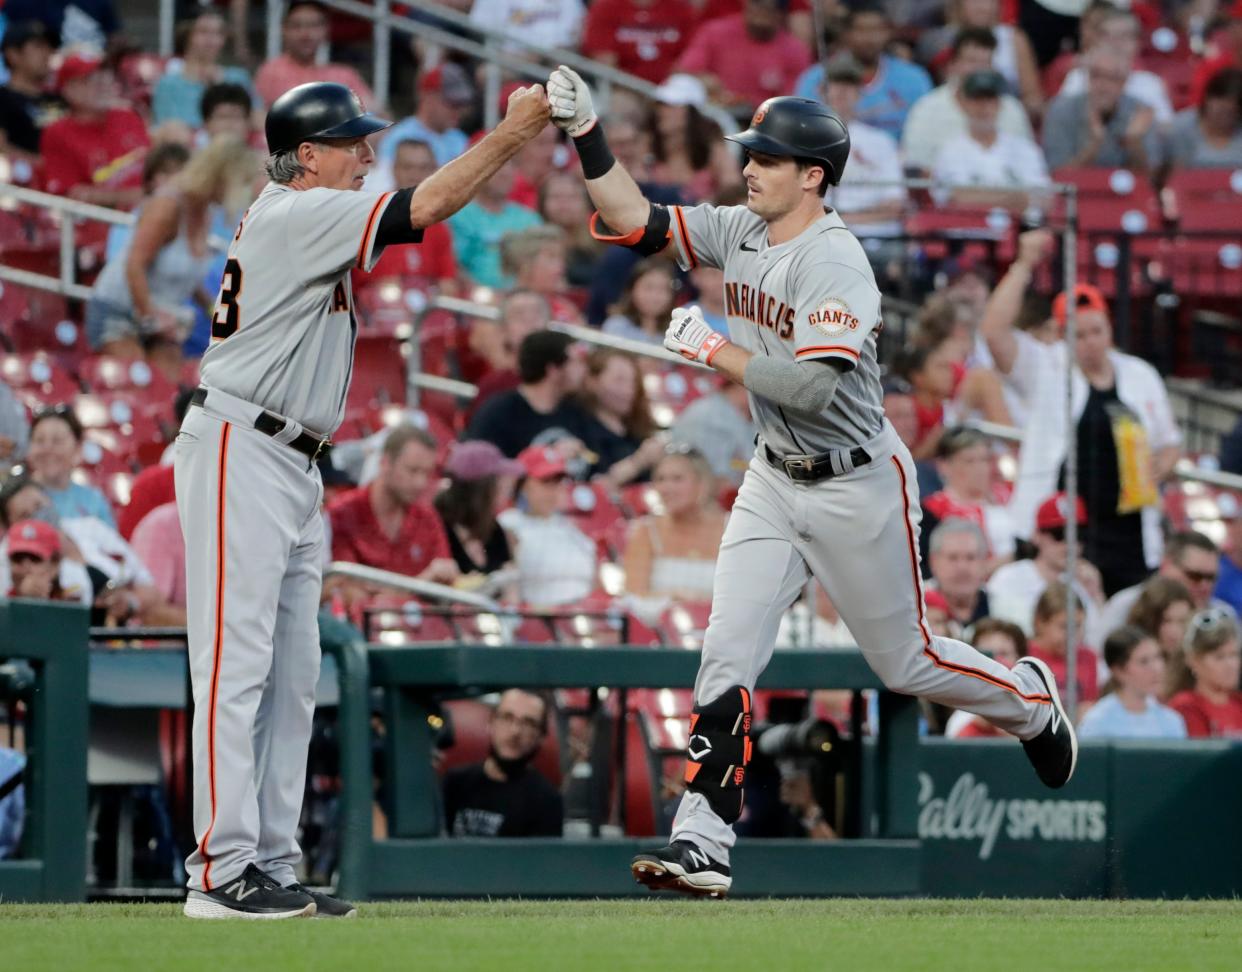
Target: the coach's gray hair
(954, 525)
(284, 167)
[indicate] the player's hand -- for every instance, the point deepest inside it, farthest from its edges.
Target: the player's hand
(570, 98)
(1034, 247)
(692, 337)
(527, 111)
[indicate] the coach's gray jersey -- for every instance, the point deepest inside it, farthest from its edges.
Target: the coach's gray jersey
(283, 330)
(812, 298)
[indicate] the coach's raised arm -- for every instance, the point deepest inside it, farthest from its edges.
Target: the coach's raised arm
(451, 187)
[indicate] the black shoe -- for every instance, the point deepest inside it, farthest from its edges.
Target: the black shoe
(1054, 752)
(252, 894)
(681, 866)
(326, 906)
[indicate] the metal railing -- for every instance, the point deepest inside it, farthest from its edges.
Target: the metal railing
(411, 585)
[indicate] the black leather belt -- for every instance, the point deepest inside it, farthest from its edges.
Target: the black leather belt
(812, 469)
(269, 423)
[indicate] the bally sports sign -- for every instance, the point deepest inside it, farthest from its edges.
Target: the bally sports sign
(967, 810)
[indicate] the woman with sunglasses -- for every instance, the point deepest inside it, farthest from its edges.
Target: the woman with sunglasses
(1129, 708)
(1207, 694)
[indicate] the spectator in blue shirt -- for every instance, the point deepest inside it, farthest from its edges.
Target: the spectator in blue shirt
(12, 802)
(890, 85)
(1229, 580)
(55, 452)
(481, 224)
(445, 94)
(199, 43)
(1130, 710)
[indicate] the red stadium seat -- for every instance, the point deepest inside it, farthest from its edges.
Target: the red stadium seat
(593, 510)
(40, 374)
(379, 373)
(1207, 199)
(104, 373)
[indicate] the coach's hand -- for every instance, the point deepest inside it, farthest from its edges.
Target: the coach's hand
(692, 337)
(572, 110)
(527, 111)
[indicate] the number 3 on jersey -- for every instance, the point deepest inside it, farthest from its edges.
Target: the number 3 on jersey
(225, 320)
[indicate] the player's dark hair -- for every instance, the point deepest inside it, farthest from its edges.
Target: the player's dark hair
(804, 164)
(166, 158)
(974, 37)
(63, 412)
(540, 351)
(223, 93)
(989, 626)
(403, 435)
(1176, 546)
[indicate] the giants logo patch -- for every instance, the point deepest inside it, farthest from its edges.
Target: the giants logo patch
(832, 317)
(760, 113)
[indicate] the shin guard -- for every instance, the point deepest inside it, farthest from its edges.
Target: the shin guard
(719, 750)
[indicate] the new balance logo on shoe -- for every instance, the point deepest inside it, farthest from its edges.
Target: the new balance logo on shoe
(1056, 720)
(698, 857)
(240, 892)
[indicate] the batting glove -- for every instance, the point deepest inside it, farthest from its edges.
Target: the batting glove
(570, 98)
(692, 337)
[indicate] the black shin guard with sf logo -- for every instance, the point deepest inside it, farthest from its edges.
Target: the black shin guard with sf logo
(719, 750)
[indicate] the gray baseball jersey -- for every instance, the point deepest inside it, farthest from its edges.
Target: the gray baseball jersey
(283, 331)
(811, 298)
(815, 298)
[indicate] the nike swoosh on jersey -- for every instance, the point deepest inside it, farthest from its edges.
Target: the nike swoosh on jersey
(749, 249)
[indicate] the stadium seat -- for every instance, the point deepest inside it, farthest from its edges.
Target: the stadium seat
(1207, 199)
(104, 373)
(40, 374)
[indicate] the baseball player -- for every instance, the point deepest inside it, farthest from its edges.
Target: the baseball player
(248, 490)
(830, 490)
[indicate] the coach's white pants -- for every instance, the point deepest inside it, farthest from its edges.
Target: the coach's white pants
(858, 534)
(249, 508)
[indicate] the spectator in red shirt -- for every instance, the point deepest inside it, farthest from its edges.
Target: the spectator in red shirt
(1208, 697)
(385, 524)
(748, 57)
(429, 266)
(95, 153)
(643, 37)
(160, 544)
(302, 32)
(1048, 643)
(1230, 56)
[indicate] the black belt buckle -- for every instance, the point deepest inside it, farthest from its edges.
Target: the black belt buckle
(799, 467)
(321, 449)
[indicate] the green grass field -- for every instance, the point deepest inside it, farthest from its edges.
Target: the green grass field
(657, 934)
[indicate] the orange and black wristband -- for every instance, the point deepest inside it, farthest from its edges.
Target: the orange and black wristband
(597, 158)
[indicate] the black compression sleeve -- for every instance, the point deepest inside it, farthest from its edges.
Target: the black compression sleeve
(597, 158)
(395, 225)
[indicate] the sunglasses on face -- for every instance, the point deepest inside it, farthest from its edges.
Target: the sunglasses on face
(1200, 576)
(1057, 534)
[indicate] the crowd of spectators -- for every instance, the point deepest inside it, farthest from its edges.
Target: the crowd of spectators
(588, 480)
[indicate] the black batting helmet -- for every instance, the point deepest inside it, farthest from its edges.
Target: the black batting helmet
(801, 128)
(320, 109)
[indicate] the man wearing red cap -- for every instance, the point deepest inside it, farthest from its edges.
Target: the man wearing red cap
(1229, 53)
(1014, 588)
(1127, 440)
(303, 32)
(95, 153)
(444, 95)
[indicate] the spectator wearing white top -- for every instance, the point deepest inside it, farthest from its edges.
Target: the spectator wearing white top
(874, 158)
(1015, 588)
(1130, 710)
(537, 23)
(555, 560)
(940, 114)
(1127, 440)
(985, 156)
(1120, 33)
